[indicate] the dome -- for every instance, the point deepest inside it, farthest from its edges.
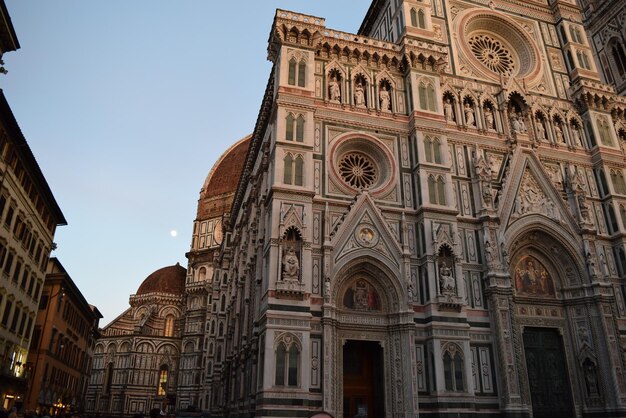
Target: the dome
(221, 183)
(166, 280)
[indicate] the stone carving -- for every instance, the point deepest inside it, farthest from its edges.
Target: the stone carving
(385, 99)
(558, 134)
(291, 265)
(359, 94)
(448, 112)
(531, 198)
(576, 186)
(334, 90)
(489, 120)
(447, 284)
(469, 115)
(541, 130)
(484, 175)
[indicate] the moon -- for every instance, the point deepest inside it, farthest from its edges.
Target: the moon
(173, 233)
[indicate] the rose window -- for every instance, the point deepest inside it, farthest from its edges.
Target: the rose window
(493, 54)
(358, 170)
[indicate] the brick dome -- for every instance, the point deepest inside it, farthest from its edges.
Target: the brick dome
(166, 280)
(219, 187)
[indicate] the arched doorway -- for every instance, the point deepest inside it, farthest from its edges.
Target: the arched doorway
(370, 355)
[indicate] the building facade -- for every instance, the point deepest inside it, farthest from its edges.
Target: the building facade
(29, 216)
(136, 360)
(62, 345)
(430, 221)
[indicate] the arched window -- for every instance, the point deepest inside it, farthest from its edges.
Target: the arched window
(619, 57)
(169, 326)
(432, 189)
(437, 151)
(427, 97)
(162, 386)
(289, 127)
(421, 19)
(202, 274)
(622, 212)
(301, 74)
(292, 72)
(413, 18)
(428, 149)
(108, 378)
(583, 61)
(288, 170)
(453, 371)
(223, 303)
(300, 129)
(287, 361)
(220, 333)
(441, 193)
(432, 149)
(298, 174)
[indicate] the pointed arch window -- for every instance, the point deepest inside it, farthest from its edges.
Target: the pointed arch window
(297, 73)
(421, 19)
(287, 362)
(288, 170)
(619, 57)
(433, 150)
(109, 378)
(453, 371)
(427, 97)
(298, 173)
(300, 128)
(294, 170)
(583, 60)
(437, 190)
(413, 18)
(163, 377)
(169, 326)
(289, 127)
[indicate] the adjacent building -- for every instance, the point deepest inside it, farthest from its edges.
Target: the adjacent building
(29, 216)
(62, 345)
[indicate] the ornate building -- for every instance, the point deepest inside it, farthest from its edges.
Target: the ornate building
(428, 218)
(62, 345)
(606, 24)
(136, 360)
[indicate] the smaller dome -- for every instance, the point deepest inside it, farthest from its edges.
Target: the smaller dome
(166, 280)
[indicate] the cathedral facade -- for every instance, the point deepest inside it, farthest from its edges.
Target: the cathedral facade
(428, 219)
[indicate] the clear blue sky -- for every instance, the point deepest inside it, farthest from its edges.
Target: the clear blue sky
(126, 106)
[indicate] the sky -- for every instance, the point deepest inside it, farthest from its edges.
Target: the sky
(127, 105)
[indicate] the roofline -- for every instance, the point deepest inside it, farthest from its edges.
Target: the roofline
(15, 135)
(10, 30)
(370, 16)
(64, 276)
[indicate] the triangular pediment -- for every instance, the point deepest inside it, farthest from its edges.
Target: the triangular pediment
(364, 230)
(529, 191)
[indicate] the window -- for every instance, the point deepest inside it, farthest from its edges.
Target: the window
(287, 360)
(583, 60)
(169, 326)
(289, 127)
(427, 97)
(436, 190)
(617, 177)
(605, 131)
(297, 73)
(576, 34)
(299, 128)
(619, 57)
(294, 170)
(453, 370)
(413, 18)
(163, 375)
(432, 149)
(9, 217)
(421, 19)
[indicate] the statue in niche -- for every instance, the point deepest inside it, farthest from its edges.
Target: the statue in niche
(558, 132)
(515, 125)
(576, 136)
(522, 123)
(385, 98)
(541, 130)
(489, 253)
(489, 118)
(447, 283)
(469, 115)
(591, 378)
(484, 174)
(448, 112)
(359, 94)
(291, 265)
(334, 91)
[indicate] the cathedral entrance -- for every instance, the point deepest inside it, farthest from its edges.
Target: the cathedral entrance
(547, 373)
(363, 380)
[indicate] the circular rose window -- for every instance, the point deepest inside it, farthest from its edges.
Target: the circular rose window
(494, 54)
(361, 162)
(358, 170)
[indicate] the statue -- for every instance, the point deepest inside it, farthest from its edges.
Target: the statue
(446, 281)
(469, 115)
(541, 130)
(576, 136)
(410, 292)
(489, 118)
(291, 265)
(522, 124)
(327, 287)
(447, 110)
(334, 89)
(359, 95)
(484, 174)
(558, 132)
(516, 127)
(385, 99)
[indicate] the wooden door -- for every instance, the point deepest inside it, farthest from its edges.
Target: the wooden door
(363, 380)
